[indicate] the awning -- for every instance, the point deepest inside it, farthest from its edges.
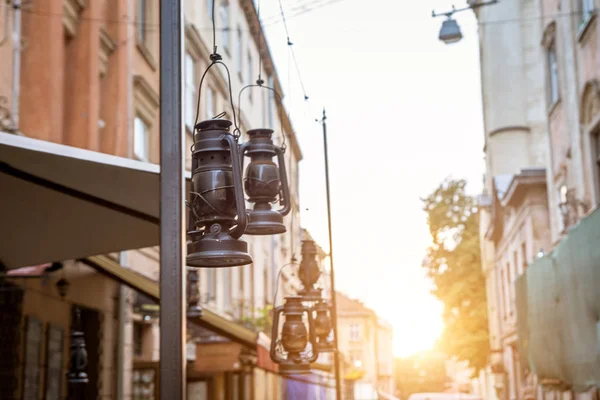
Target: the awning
(60, 202)
(208, 320)
(558, 310)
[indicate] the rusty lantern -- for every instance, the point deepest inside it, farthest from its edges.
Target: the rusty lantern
(309, 272)
(323, 326)
(217, 206)
(265, 181)
(291, 352)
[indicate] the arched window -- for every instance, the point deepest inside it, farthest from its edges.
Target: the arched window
(590, 121)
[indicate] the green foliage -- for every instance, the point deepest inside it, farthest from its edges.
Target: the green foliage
(421, 373)
(453, 263)
(259, 319)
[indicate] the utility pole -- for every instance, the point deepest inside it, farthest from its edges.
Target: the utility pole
(172, 214)
(336, 354)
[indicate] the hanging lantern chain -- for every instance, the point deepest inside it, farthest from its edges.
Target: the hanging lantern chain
(216, 59)
(277, 282)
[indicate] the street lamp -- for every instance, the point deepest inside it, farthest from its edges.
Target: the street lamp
(217, 206)
(450, 31)
(290, 351)
(264, 182)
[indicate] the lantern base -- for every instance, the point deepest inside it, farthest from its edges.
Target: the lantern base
(291, 368)
(265, 222)
(211, 252)
(77, 378)
(325, 347)
(310, 294)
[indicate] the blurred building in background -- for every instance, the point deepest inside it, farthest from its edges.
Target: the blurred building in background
(365, 341)
(540, 71)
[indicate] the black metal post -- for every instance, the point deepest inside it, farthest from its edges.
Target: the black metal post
(336, 354)
(172, 213)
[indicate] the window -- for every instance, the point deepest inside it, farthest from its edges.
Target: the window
(226, 289)
(509, 283)
(552, 74)
(138, 336)
(212, 284)
(524, 257)
(142, 24)
(265, 285)
(354, 332)
(209, 8)
(587, 9)
(596, 155)
(141, 140)
(190, 91)
(239, 53)
(210, 103)
(224, 15)
(271, 103)
(250, 77)
(503, 293)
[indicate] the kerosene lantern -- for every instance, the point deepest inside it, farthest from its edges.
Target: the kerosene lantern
(217, 205)
(323, 326)
(291, 352)
(264, 182)
(309, 272)
(76, 376)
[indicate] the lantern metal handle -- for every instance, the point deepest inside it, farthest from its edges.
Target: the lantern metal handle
(240, 202)
(274, 334)
(242, 149)
(312, 337)
(285, 188)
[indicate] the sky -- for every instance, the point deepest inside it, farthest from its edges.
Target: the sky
(403, 113)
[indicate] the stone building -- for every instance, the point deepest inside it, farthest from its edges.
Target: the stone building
(365, 342)
(82, 77)
(540, 65)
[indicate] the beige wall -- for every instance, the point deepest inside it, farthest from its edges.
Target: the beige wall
(524, 130)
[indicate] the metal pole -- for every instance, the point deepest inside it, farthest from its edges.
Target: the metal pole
(336, 354)
(172, 214)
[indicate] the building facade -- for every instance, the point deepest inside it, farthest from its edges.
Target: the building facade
(540, 65)
(85, 74)
(364, 342)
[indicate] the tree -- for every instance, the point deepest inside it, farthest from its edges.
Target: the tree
(423, 372)
(453, 262)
